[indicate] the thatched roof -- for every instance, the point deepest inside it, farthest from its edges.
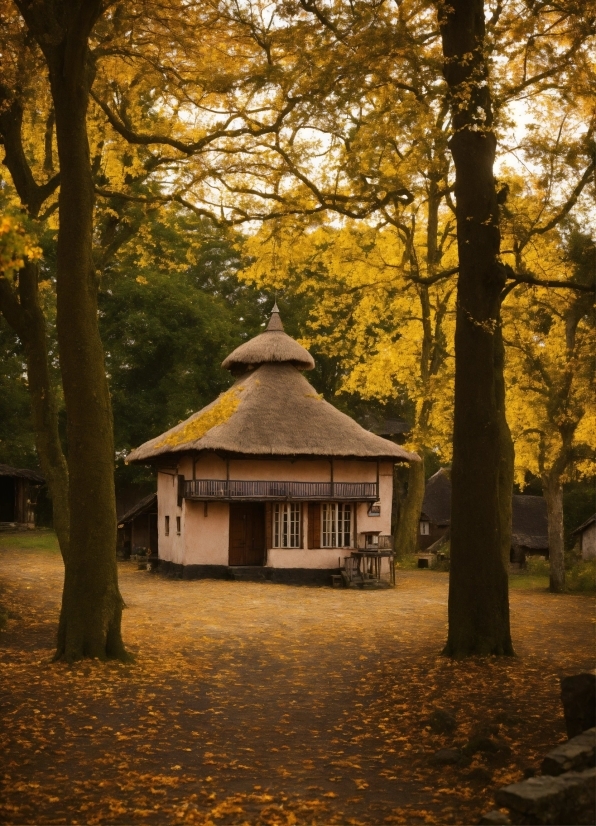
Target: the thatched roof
(529, 526)
(529, 522)
(22, 473)
(391, 427)
(272, 411)
(272, 346)
(146, 505)
(436, 505)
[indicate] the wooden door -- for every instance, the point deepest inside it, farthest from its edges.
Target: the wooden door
(247, 533)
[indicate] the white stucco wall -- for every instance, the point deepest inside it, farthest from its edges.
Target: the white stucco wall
(589, 542)
(204, 538)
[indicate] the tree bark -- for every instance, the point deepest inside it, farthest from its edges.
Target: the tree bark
(478, 585)
(91, 603)
(553, 493)
(406, 535)
(507, 457)
(26, 318)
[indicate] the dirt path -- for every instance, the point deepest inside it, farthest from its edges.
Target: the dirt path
(259, 703)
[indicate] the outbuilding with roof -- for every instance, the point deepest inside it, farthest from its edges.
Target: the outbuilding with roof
(529, 519)
(586, 533)
(270, 477)
(19, 488)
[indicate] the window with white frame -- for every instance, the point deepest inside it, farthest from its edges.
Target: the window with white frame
(424, 528)
(286, 525)
(336, 524)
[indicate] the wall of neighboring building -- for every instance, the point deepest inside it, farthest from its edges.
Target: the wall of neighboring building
(435, 533)
(588, 542)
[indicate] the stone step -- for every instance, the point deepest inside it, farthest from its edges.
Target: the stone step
(575, 755)
(567, 800)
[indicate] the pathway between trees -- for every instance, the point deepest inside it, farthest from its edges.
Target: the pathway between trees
(268, 704)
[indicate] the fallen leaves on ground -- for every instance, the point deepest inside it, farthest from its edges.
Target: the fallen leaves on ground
(253, 703)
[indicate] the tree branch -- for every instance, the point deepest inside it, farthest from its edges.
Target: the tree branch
(570, 203)
(548, 282)
(432, 279)
(141, 139)
(31, 193)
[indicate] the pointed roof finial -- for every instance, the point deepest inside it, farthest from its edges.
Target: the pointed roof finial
(275, 325)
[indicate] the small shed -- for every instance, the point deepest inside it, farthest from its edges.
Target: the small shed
(137, 528)
(586, 533)
(435, 517)
(529, 528)
(19, 488)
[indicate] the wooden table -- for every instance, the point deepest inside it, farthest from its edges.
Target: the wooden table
(369, 563)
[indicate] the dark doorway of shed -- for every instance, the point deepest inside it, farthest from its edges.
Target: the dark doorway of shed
(7, 499)
(247, 533)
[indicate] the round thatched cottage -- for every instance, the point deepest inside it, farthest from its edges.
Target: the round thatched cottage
(270, 479)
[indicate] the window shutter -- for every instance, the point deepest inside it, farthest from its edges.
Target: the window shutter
(268, 525)
(314, 525)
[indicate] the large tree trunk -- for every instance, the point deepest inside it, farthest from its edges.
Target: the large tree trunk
(43, 405)
(507, 457)
(553, 493)
(478, 586)
(91, 602)
(26, 318)
(406, 535)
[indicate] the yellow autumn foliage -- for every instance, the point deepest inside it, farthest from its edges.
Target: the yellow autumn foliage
(217, 414)
(551, 341)
(393, 337)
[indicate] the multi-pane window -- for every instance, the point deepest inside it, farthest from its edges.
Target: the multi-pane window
(286, 525)
(336, 524)
(424, 528)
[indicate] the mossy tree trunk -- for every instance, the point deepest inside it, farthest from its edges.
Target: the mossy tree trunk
(22, 311)
(91, 603)
(406, 535)
(507, 453)
(478, 586)
(553, 493)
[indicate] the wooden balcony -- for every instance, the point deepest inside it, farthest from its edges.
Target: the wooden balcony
(234, 490)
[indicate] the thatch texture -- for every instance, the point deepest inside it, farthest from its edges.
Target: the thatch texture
(146, 505)
(272, 411)
(22, 473)
(436, 505)
(273, 346)
(529, 526)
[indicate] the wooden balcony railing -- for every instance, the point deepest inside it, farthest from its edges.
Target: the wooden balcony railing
(235, 490)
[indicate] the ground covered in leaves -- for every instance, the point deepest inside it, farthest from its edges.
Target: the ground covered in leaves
(268, 704)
